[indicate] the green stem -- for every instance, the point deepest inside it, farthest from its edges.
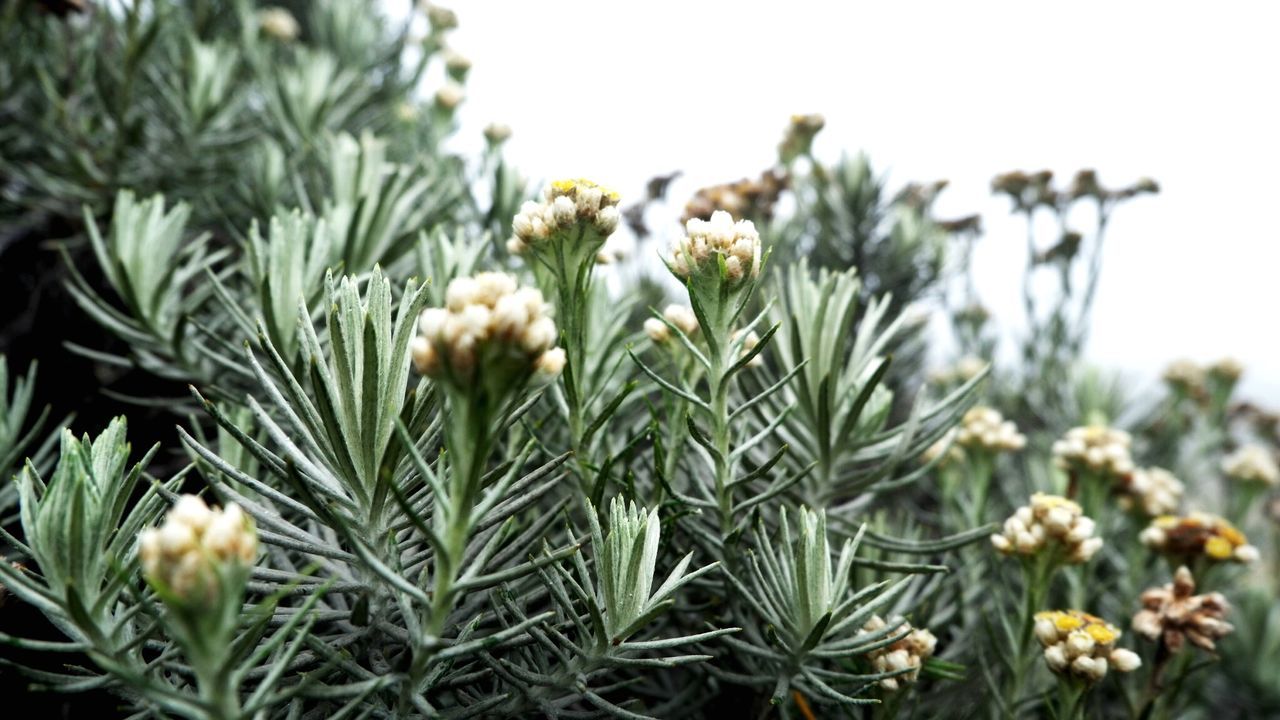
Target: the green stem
(981, 468)
(1036, 575)
(1072, 700)
(721, 432)
(467, 444)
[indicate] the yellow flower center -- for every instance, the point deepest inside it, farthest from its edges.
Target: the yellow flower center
(1067, 623)
(1218, 548)
(1231, 535)
(1102, 634)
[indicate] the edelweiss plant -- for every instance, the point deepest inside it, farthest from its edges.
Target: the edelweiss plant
(444, 449)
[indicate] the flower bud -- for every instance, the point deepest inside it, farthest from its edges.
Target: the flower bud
(186, 556)
(278, 24)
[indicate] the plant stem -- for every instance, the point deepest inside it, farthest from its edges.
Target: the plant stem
(1036, 576)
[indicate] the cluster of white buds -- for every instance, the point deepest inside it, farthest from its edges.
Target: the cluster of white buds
(278, 24)
(456, 64)
(487, 319)
(1252, 464)
(1096, 449)
(450, 95)
(1175, 615)
(183, 556)
(945, 444)
(906, 654)
(1185, 375)
(567, 204)
(1049, 519)
(965, 369)
(497, 133)
(1198, 535)
(1082, 645)
(1227, 370)
(720, 237)
(1190, 378)
(984, 428)
(1154, 491)
(749, 343)
(681, 316)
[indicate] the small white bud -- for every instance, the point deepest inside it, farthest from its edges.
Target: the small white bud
(1125, 660)
(550, 363)
(1056, 657)
(657, 330)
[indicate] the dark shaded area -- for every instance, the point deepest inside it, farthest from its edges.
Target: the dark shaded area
(39, 316)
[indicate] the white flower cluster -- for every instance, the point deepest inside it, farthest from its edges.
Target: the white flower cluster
(182, 556)
(1049, 519)
(1096, 449)
(567, 204)
(965, 369)
(681, 316)
(905, 654)
(487, 317)
(1253, 464)
(738, 243)
(1081, 645)
(1184, 374)
(984, 428)
(1155, 491)
(947, 444)
(1191, 378)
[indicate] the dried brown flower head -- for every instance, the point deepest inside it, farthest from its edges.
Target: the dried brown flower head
(1175, 615)
(749, 199)
(1198, 535)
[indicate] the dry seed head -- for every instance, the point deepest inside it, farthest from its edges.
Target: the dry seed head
(1175, 615)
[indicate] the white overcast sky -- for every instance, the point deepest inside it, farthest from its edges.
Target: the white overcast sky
(1184, 93)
